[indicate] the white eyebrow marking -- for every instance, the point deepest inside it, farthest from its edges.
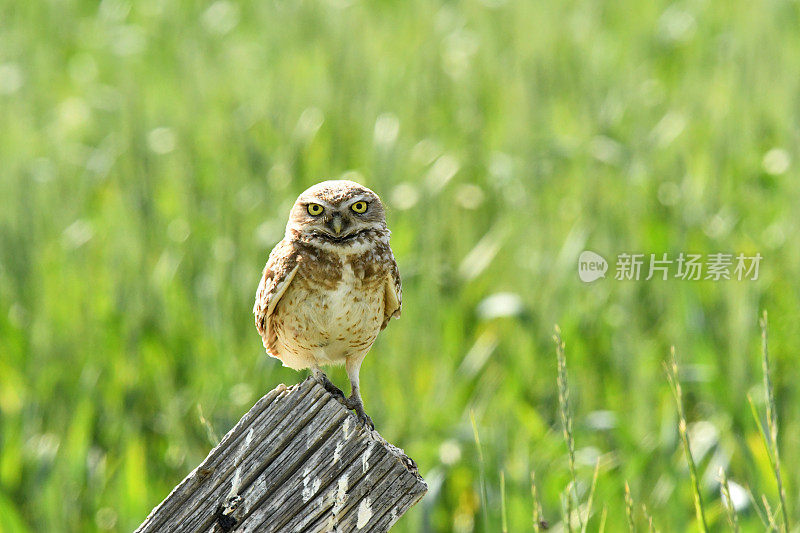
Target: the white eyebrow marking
(358, 199)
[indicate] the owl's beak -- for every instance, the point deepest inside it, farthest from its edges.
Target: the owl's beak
(336, 224)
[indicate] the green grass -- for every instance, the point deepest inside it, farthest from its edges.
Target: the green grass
(677, 391)
(149, 153)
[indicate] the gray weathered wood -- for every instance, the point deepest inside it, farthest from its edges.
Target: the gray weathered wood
(297, 461)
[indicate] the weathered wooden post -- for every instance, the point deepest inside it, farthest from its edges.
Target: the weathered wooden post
(297, 461)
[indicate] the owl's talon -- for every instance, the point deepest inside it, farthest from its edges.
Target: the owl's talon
(355, 404)
(328, 385)
(365, 420)
(336, 393)
(352, 403)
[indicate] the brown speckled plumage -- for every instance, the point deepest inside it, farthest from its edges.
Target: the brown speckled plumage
(331, 285)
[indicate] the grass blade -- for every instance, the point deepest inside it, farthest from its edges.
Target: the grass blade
(772, 421)
(725, 492)
(603, 516)
(212, 436)
(590, 501)
(629, 508)
(650, 526)
(566, 507)
(566, 423)
(481, 471)
(503, 516)
(539, 523)
(770, 515)
(675, 385)
(756, 507)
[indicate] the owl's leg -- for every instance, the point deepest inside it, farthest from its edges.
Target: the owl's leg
(354, 402)
(323, 380)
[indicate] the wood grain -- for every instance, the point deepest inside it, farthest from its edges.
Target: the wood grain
(297, 461)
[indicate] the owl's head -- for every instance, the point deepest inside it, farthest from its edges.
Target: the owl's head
(337, 211)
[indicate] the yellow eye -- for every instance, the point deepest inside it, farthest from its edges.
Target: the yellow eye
(359, 207)
(315, 209)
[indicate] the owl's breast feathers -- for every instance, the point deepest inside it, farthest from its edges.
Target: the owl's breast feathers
(339, 296)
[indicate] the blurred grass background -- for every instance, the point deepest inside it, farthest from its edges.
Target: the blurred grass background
(150, 151)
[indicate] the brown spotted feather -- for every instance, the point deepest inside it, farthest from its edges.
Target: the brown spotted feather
(278, 272)
(322, 300)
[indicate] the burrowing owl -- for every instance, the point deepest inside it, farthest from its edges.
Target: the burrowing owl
(331, 285)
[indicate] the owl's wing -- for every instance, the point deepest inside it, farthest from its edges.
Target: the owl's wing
(393, 293)
(281, 267)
